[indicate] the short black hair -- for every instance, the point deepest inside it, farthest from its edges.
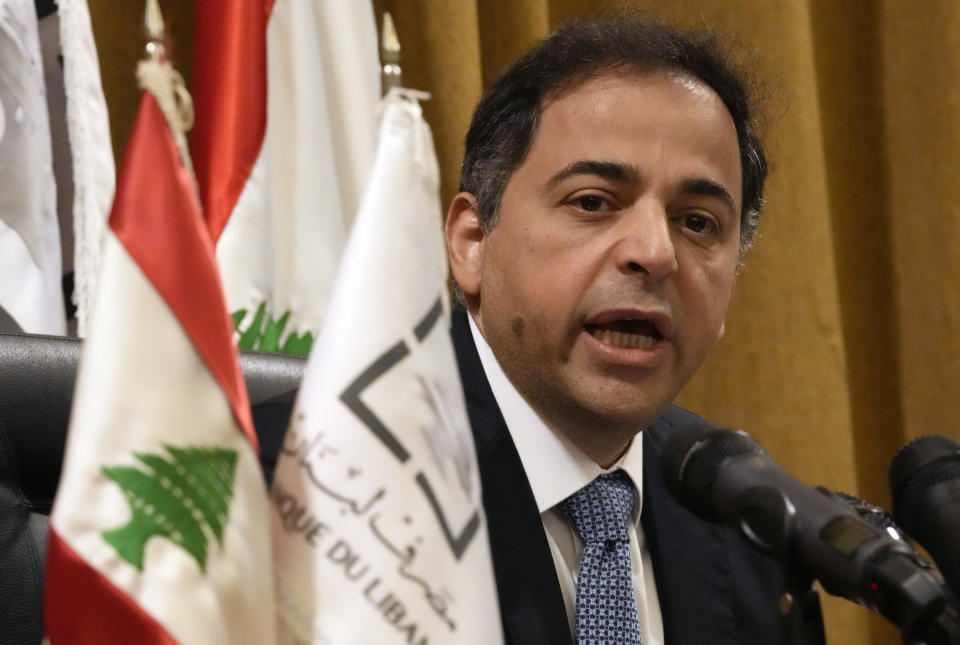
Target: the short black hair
(507, 116)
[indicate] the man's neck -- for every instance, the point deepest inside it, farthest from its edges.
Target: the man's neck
(602, 443)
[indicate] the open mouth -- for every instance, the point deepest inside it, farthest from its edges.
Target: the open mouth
(626, 333)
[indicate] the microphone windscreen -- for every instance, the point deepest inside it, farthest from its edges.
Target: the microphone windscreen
(674, 452)
(919, 465)
(691, 460)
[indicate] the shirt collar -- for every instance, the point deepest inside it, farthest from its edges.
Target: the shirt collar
(555, 467)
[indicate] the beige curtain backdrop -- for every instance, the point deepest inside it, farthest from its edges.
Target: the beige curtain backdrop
(843, 340)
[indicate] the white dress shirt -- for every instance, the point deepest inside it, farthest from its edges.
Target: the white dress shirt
(556, 469)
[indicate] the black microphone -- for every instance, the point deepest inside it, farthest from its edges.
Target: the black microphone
(925, 481)
(725, 475)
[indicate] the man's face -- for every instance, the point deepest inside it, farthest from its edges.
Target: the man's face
(607, 278)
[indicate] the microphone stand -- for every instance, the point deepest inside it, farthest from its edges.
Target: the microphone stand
(801, 621)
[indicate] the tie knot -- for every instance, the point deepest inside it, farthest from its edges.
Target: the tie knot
(602, 510)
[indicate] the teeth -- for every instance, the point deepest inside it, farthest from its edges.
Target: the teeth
(624, 339)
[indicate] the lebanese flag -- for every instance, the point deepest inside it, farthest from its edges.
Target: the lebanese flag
(286, 94)
(159, 528)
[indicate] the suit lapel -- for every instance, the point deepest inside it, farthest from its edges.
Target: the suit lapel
(531, 604)
(691, 560)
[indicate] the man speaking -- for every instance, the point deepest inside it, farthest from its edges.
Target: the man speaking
(611, 184)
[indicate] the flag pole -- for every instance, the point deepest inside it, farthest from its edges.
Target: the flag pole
(157, 76)
(391, 75)
(153, 21)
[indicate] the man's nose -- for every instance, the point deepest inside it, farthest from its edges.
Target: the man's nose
(646, 245)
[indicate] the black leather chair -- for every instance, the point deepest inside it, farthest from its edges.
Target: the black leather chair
(36, 389)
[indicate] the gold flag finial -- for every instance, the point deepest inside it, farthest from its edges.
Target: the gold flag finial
(153, 21)
(157, 76)
(392, 75)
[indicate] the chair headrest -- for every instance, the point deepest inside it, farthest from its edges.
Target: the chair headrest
(37, 376)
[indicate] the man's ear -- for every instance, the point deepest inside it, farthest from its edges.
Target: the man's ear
(465, 237)
(723, 330)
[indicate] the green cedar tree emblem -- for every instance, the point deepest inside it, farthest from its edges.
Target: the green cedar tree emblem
(264, 333)
(181, 493)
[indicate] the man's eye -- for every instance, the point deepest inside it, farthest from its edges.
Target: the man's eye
(698, 223)
(590, 203)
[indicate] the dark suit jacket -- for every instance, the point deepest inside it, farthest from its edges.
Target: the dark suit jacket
(713, 588)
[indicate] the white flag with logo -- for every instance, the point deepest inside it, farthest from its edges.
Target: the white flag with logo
(31, 298)
(378, 527)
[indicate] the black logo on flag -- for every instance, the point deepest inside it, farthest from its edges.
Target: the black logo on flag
(352, 398)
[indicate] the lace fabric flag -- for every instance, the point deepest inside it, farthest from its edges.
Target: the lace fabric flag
(31, 299)
(88, 128)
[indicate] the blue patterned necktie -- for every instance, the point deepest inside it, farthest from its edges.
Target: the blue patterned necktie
(601, 513)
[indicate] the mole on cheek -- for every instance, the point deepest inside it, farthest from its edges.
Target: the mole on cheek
(518, 325)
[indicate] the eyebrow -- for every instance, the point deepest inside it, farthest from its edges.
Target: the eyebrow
(612, 170)
(708, 188)
(621, 172)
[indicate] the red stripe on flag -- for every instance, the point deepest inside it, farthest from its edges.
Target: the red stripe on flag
(82, 606)
(229, 90)
(157, 217)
